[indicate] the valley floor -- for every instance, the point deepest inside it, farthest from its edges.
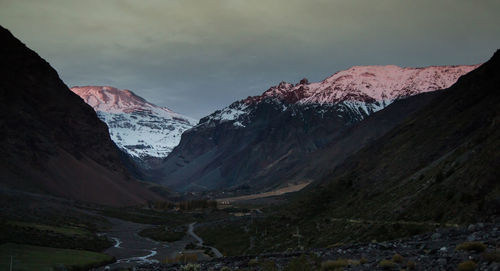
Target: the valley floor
(131, 249)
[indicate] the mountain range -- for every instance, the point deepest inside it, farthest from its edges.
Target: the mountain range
(147, 133)
(258, 142)
(438, 166)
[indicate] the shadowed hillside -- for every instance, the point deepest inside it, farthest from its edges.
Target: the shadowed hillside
(51, 141)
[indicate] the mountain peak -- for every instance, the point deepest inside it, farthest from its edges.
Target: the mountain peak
(140, 128)
(366, 83)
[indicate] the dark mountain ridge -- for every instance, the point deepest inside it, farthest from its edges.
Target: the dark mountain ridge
(438, 166)
(52, 142)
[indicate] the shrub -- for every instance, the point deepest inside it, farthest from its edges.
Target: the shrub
(268, 266)
(333, 265)
(225, 268)
(397, 258)
(472, 246)
(300, 264)
(493, 256)
(363, 260)
(386, 264)
(411, 265)
(183, 258)
(253, 262)
(190, 267)
(467, 266)
(353, 262)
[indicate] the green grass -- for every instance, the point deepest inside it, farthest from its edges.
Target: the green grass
(230, 239)
(472, 246)
(67, 230)
(27, 257)
(467, 266)
(67, 237)
(166, 235)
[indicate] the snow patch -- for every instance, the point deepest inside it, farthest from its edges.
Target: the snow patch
(136, 126)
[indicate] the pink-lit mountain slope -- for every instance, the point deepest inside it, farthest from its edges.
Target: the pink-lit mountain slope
(138, 127)
(256, 141)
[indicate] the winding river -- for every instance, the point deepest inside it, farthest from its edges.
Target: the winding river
(130, 248)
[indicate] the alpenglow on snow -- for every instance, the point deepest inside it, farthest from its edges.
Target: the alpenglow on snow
(138, 127)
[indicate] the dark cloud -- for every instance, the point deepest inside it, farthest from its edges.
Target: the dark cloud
(197, 56)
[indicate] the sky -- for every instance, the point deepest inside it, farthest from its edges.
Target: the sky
(198, 56)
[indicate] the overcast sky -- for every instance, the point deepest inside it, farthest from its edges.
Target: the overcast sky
(199, 56)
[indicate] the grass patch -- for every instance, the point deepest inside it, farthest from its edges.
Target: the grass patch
(303, 263)
(386, 264)
(493, 256)
(69, 231)
(230, 239)
(164, 233)
(397, 258)
(472, 246)
(51, 236)
(183, 258)
(467, 266)
(411, 265)
(334, 265)
(26, 257)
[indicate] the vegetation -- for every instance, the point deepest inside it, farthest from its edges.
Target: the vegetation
(66, 230)
(334, 265)
(183, 258)
(386, 264)
(467, 266)
(397, 258)
(197, 204)
(472, 246)
(411, 265)
(231, 239)
(151, 216)
(26, 257)
(51, 236)
(302, 263)
(187, 205)
(492, 256)
(190, 267)
(164, 233)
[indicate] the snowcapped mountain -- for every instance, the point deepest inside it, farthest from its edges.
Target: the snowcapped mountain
(256, 142)
(140, 128)
(360, 89)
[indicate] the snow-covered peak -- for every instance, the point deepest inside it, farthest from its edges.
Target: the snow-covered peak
(113, 100)
(365, 89)
(138, 127)
(367, 83)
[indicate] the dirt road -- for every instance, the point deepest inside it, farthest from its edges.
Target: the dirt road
(277, 192)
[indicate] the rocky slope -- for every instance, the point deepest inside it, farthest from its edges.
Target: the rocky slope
(257, 141)
(439, 165)
(442, 249)
(138, 127)
(51, 141)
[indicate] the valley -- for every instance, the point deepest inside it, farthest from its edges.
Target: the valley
(376, 167)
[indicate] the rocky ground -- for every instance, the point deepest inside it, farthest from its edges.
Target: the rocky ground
(475, 247)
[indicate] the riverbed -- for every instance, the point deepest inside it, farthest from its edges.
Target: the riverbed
(130, 248)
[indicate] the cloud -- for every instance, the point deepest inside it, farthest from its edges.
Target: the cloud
(197, 56)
